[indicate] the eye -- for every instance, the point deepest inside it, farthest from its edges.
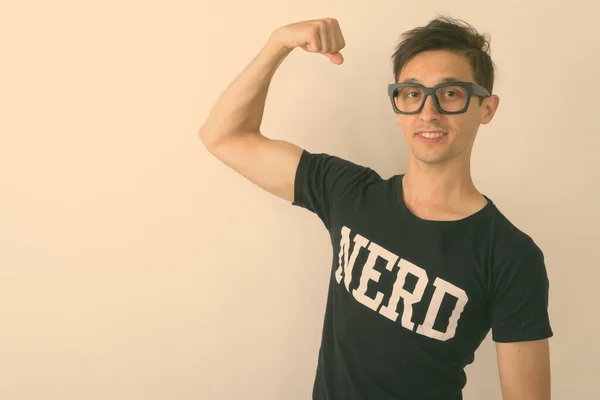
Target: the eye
(452, 92)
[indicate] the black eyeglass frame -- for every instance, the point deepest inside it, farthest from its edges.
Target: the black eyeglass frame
(472, 89)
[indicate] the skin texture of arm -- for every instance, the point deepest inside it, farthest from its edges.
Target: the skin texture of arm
(524, 369)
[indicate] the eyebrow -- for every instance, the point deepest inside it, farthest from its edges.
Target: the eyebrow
(445, 79)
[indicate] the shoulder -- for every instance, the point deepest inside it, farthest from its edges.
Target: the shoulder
(324, 182)
(333, 171)
(511, 245)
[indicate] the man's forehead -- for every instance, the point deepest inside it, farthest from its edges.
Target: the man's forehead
(443, 79)
(437, 66)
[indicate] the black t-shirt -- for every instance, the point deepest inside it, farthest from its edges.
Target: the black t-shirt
(410, 300)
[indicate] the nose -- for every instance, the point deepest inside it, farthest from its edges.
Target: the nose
(429, 111)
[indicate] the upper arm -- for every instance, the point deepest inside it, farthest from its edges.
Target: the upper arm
(519, 296)
(524, 369)
(268, 163)
(521, 324)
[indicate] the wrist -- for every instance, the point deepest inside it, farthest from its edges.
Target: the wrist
(275, 45)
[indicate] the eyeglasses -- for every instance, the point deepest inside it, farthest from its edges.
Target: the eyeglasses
(448, 97)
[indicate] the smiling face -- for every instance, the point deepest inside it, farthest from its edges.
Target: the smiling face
(458, 130)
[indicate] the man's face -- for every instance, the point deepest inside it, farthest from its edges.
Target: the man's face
(459, 130)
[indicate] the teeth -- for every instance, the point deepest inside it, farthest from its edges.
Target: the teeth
(431, 135)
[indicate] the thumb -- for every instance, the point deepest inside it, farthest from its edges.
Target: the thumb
(336, 58)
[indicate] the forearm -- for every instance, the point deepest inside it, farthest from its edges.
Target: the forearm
(240, 107)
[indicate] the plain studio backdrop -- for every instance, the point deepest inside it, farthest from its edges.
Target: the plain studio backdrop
(134, 265)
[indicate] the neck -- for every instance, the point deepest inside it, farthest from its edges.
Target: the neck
(441, 189)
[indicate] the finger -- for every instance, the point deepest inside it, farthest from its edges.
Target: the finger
(336, 58)
(325, 39)
(333, 37)
(338, 35)
(315, 45)
(339, 39)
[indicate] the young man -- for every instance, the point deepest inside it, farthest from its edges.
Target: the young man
(425, 265)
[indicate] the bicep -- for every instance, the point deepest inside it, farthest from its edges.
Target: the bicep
(524, 369)
(268, 163)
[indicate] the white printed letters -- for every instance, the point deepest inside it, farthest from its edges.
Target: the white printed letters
(346, 263)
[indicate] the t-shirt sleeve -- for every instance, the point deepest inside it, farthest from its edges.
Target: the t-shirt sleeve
(519, 306)
(324, 181)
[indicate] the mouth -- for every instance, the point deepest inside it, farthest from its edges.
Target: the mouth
(431, 136)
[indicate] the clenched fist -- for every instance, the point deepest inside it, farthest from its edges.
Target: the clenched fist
(315, 36)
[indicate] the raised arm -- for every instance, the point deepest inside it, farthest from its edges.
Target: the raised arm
(232, 131)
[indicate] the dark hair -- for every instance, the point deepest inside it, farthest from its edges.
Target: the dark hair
(447, 33)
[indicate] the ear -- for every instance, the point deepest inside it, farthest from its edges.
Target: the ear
(488, 108)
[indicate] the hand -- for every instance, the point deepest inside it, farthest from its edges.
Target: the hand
(315, 36)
